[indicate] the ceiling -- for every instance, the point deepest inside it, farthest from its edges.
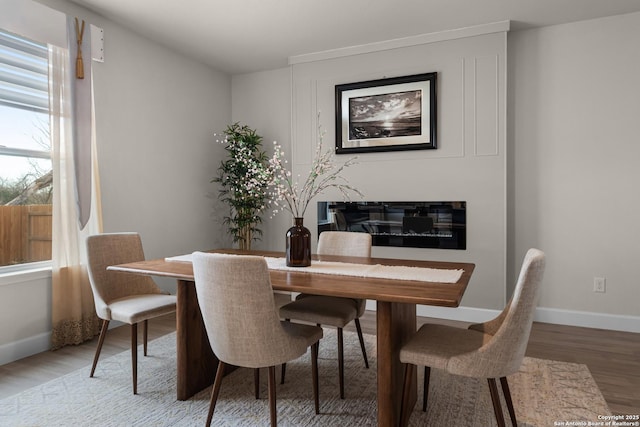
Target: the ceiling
(239, 36)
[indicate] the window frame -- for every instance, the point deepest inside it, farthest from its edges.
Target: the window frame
(19, 273)
(24, 152)
(14, 273)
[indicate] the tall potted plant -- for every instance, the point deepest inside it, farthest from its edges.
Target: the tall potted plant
(244, 178)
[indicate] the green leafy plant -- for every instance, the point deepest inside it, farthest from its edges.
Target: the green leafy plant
(244, 178)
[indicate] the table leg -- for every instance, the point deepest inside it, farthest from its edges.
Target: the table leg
(396, 323)
(196, 363)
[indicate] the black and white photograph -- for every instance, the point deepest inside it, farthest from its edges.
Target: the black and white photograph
(383, 116)
(387, 114)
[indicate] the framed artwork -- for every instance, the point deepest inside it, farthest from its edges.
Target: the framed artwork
(397, 113)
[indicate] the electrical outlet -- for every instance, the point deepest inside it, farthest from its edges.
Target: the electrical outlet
(599, 284)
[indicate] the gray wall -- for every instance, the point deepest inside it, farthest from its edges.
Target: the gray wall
(263, 102)
(574, 108)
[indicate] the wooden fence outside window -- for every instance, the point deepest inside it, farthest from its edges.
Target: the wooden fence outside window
(25, 234)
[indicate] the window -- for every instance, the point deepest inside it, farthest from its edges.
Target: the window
(25, 152)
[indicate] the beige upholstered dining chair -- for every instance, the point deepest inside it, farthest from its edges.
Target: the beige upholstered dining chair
(242, 323)
(491, 350)
(328, 310)
(123, 297)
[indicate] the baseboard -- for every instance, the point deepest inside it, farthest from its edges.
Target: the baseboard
(16, 350)
(614, 322)
(556, 316)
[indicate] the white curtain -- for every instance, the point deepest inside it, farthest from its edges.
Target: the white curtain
(73, 313)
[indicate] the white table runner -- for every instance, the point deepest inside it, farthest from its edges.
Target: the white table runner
(378, 271)
(360, 270)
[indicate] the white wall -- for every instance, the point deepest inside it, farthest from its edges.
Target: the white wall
(156, 114)
(468, 165)
(25, 314)
(574, 110)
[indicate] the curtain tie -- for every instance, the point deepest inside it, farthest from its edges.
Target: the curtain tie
(79, 62)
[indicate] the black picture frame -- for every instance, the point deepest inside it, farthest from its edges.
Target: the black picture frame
(397, 113)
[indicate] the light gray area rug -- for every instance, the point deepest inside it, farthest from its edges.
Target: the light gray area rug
(543, 391)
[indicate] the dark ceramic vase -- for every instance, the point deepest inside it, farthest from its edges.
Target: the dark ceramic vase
(298, 245)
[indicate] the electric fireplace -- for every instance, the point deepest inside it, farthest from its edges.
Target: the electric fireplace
(439, 225)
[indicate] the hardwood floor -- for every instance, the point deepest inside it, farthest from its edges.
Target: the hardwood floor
(612, 357)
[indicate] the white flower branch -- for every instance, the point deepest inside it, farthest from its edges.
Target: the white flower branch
(324, 174)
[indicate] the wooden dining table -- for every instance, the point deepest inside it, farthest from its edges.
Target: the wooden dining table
(395, 315)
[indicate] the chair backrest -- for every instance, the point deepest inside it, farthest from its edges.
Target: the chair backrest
(503, 353)
(240, 316)
(344, 243)
(108, 249)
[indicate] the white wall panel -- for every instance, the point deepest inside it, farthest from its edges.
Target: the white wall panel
(486, 106)
(451, 172)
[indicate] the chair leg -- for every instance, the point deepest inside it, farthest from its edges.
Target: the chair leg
(272, 396)
(507, 398)
(103, 333)
(215, 391)
(134, 356)
(256, 382)
(145, 335)
(282, 372)
(364, 350)
(405, 411)
(425, 391)
(341, 362)
(495, 398)
(314, 372)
